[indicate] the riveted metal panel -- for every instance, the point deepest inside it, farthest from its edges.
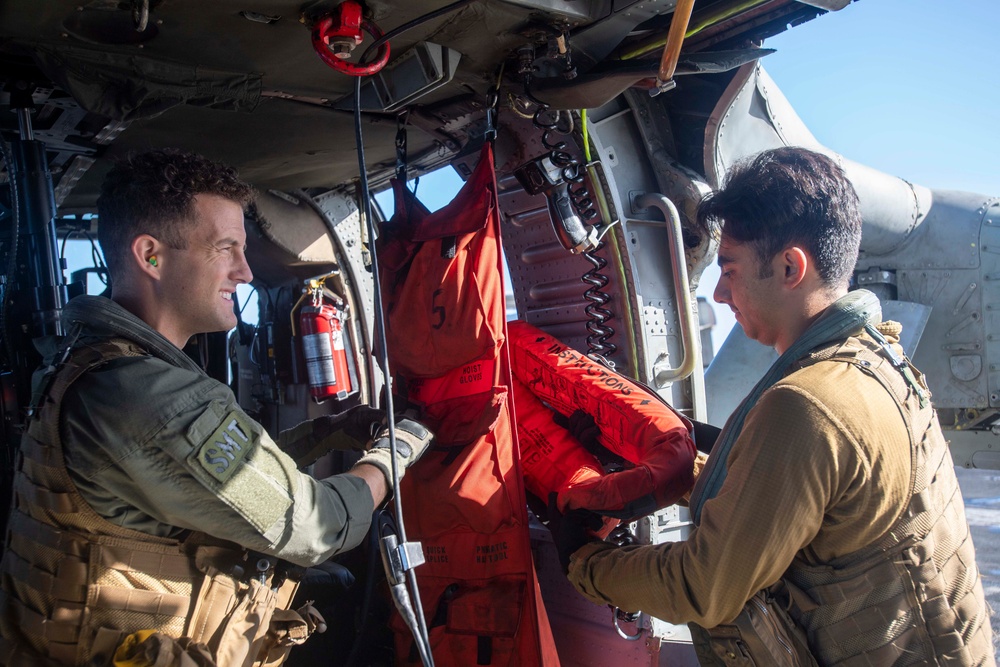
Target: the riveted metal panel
(948, 238)
(954, 335)
(990, 279)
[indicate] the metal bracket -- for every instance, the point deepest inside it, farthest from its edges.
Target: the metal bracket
(401, 558)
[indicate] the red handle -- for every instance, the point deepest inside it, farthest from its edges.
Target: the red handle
(325, 29)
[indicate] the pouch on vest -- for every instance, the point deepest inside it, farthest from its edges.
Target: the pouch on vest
(148, 648)
(763, 634)
(232, 617)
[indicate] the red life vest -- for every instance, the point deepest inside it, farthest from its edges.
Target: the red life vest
(442, 282)
(634, 423)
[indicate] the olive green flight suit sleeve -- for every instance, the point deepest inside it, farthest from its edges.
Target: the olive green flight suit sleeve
(790, 463)
(184, 456)
(313, 439)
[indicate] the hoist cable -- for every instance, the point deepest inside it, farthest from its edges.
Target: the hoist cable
(420, 632)
(395, 32)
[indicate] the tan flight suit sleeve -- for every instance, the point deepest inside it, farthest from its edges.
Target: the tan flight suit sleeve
(787, 466)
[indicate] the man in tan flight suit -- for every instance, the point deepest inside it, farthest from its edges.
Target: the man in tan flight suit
(831, 486)
(143, 486)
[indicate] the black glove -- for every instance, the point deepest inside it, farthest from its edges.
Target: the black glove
(412, 440)
(582, 426)
(360, 424)
(571, 530)
(621, 536)
(347, 431)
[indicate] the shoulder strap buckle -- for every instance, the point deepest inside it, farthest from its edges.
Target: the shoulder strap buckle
(41, 391)
(899, 363)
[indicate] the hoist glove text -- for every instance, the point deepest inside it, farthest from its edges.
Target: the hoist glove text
(412, 440)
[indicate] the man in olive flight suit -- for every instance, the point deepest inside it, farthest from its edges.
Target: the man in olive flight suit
(144, 485)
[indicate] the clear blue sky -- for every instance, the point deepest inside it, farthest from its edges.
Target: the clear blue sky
(907, 86)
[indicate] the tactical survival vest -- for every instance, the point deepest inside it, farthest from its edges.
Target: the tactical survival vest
(914, 597)
(73, 585)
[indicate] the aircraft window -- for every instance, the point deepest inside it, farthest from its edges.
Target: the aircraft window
(81, 264)
(434, 190)
(246, 296)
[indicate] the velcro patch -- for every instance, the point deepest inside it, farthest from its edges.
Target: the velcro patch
(223, 452)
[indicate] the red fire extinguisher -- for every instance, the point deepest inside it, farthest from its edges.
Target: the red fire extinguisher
(322, 327)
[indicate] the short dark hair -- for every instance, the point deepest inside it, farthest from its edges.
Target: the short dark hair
(153, 193)
(789, 196)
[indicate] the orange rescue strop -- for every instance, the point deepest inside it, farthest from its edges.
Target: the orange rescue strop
(464, 500)
(634, 423)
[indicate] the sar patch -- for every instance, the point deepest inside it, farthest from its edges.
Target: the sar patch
(223, 452)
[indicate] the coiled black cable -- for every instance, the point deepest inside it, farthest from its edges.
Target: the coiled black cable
(600, 332)
(569, 167)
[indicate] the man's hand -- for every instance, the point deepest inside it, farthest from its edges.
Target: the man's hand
(582, 426)
(360, 424)
(571, 530)
(412, 440)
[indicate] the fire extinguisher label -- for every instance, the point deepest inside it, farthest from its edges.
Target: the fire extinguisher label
(318, 351)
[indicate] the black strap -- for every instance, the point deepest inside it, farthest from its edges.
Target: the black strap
(41, 391)
(401, 147)
(484, 650)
